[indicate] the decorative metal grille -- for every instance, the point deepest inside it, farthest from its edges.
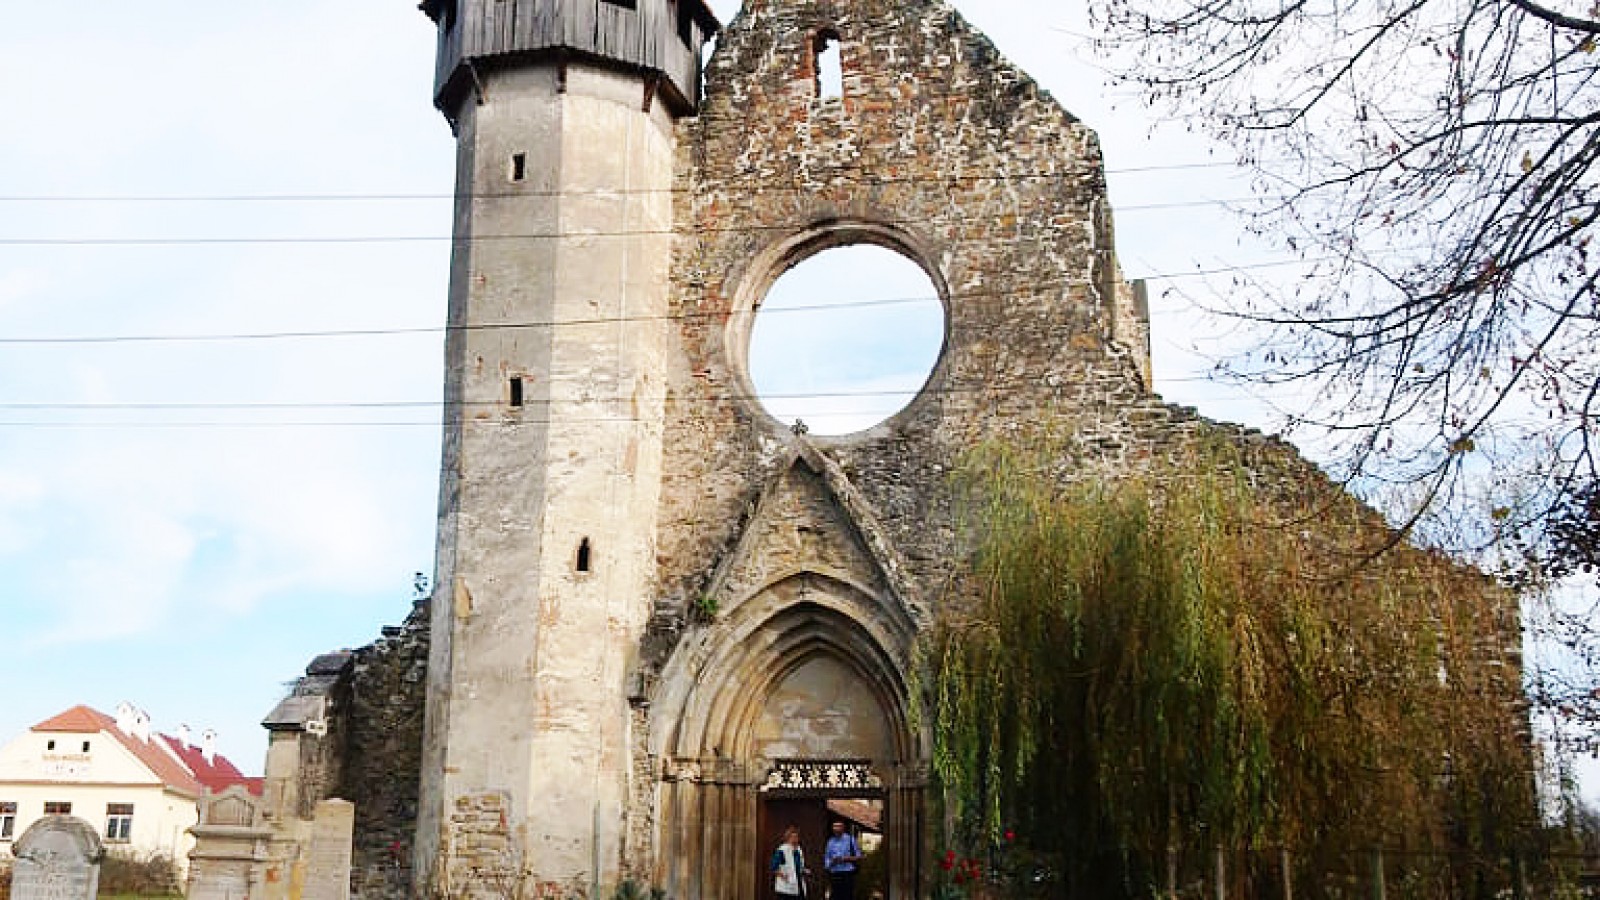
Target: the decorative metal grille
(823, 775)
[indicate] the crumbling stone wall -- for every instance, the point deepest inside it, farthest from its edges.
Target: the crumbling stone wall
(382, 731)
(939, 149)
(356, 717)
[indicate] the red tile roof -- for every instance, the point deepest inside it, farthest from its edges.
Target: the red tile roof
(214, 775)
(78, 719)
(180, 767)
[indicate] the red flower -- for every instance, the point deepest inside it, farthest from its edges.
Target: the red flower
(1010, 835)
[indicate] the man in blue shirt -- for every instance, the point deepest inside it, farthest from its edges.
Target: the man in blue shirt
(840, 858)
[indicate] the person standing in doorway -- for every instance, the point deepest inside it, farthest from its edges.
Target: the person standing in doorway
(840, 860)
(789, 865)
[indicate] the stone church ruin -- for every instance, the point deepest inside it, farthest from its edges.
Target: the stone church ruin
(664, 623)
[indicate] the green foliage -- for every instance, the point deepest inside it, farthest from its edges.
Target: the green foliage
(633, 890)
(1165, 662)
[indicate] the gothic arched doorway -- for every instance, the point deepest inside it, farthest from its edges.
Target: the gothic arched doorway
(795, 697)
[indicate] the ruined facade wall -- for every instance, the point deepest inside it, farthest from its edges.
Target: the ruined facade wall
(937, 148)
(554, 748)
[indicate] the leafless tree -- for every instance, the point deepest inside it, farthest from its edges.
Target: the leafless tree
(1434, 163)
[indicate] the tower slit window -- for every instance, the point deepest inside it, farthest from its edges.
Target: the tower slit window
(583, 555)
(519, 166)
(515, 396)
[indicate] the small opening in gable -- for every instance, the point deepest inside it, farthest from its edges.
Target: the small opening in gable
(827, 65)
(583, 555)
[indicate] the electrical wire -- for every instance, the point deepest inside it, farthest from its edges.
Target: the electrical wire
(605, 320)
(308, 197)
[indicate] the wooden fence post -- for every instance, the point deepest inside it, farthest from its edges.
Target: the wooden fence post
(1221, 875)
(1288, 873)
(1378, 891)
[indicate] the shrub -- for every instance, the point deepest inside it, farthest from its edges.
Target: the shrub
(143, 874)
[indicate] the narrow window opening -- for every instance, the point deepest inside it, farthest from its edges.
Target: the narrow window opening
(516, 390)
(49, 745)
(827, 65)
(583, 555)
(85, 746)
(519, 166)
(625, 4)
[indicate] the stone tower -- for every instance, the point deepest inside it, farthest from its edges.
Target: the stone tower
(564, 112)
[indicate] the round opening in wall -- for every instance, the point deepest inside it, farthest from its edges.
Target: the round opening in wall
(845, 339)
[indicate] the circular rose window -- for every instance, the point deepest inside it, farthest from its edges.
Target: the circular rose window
(845, 339)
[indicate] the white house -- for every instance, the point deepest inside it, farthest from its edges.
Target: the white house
(141, 789)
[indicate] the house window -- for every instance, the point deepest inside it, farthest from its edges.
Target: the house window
(119, 822)
(49, 745)
(8, 820)
(86, 746)
(57, 808)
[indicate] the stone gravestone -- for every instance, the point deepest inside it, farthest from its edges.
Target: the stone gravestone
(229, 844)
(57, 858)
(328, 862)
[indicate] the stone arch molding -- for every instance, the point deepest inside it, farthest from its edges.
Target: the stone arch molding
(716, 687)
(750, 284)
(812, 574)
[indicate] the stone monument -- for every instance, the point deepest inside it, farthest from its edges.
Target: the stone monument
(58, 858)
(231, 846)
(328, 863)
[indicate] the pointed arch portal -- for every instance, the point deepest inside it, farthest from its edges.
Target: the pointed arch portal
(789, 703)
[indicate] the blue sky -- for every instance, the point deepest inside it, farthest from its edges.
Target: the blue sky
(185, 523)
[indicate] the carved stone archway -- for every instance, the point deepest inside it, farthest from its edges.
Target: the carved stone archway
(808, 668)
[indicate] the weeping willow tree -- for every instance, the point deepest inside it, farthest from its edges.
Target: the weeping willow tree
(1147, 669)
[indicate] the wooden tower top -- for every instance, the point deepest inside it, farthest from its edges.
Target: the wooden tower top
(660, 39)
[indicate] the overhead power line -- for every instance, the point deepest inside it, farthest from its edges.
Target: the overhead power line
(309, 334)
(717, 396)
(268, 240)
(313, 197)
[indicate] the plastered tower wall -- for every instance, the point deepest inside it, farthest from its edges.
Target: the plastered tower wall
(552, 470)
